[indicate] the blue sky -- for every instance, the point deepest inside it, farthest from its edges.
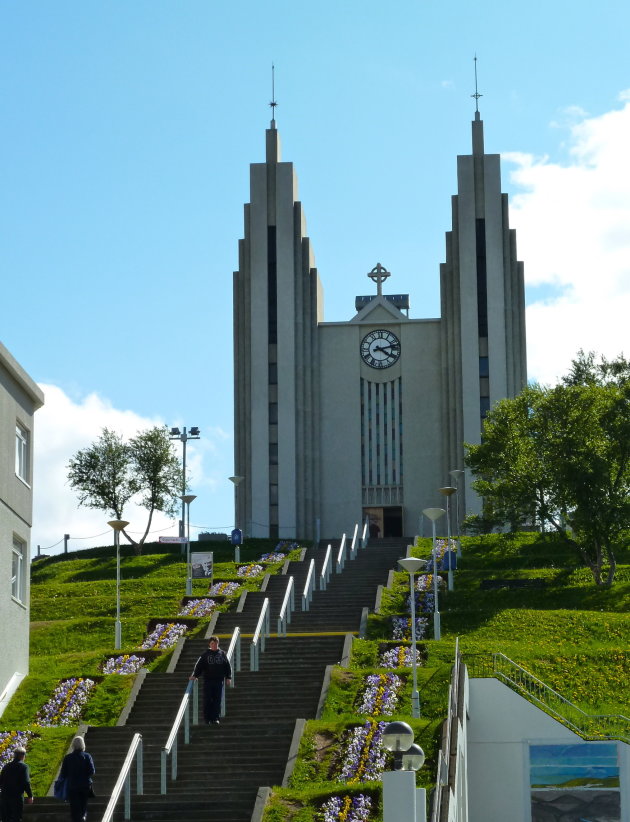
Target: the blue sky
(128, 129)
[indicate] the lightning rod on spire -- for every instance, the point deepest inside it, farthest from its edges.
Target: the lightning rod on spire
(273, 102)
(476, 95)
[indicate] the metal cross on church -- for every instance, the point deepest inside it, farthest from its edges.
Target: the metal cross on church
(378, 275)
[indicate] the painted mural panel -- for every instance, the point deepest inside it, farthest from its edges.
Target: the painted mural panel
(575, 783)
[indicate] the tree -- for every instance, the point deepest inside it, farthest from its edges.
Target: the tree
(562, 455)
(111, 473)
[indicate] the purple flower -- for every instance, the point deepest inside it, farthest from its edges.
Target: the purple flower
(363, 755)
(347, 809)
(275, 557)
(399, 657)
(9, 741)
(224, 588)
(250, 570)
(198, 607)
(66, 704)
(164, 635)
(124, 664)
(380, 695)
(401, 627)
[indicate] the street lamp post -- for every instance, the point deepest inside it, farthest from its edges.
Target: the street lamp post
(402, 801)
(236, 481)
(411, 565)
(187, 499)
(118, 525)
(433, 514)
(448, 491)
(184, 435)
(457, 473)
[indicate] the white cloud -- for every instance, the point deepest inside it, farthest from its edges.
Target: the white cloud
(573, 228)
(62, 427)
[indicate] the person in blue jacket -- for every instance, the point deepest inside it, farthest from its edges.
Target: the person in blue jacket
(15, 781)
(215, 668)
(78, 768)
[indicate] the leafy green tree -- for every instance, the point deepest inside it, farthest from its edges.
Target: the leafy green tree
(111, 473)
(561, 455)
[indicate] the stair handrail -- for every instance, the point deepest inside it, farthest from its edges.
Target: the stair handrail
(258, 641)
(124, 780)
(233, 655)
(309, 586)
(353, 546)
(341, 554)
(286, 609)
(589, 726)
(170, 748)
(441, 797)
(365, 533)
(324, 575)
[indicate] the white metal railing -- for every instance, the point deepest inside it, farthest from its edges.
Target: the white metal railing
(441, 794)
(288, 604)
(170, 748)
(258, 641)
(124, 780)
(233, 654)
(365, 533)
(309, 586)
(353, 545)
(589, 726)
(324, 575)
(341, 554)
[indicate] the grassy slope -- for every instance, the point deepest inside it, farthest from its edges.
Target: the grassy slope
(72, 631)
(570, 634)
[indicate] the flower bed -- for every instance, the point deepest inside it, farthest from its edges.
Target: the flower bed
(401, 627)
(66, 704)
(123, 664)
(275, 557)
(400, 657)
(164, 635)
(248, 571)
(363, 755)
(225, 589)
(347, 808)
(9, 741)
(198, 607)
(380, 695)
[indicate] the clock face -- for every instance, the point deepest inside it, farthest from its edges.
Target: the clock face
(380, 348)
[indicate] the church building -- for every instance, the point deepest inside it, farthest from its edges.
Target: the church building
(368, 416)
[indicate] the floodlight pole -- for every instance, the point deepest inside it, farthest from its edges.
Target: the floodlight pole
(184, 436)
(447, 491)
(118, 525)
(187, 499)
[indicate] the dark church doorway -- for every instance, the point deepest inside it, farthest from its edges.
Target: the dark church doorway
(385, 521)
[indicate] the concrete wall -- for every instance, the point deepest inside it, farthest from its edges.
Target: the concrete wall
(19, 398)
(500, 728)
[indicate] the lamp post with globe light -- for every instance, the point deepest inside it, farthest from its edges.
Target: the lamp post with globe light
(118, 525)
(433, 514)
(411, 565)
(402, 801)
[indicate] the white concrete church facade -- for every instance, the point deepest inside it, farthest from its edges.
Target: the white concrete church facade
(336, 421)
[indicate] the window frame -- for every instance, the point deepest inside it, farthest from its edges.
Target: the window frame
(18, 570)
(22, 453)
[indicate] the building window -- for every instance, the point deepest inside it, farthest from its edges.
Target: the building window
(18, 580)
(22, 442)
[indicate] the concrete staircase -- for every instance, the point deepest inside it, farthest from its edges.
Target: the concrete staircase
(221, 770)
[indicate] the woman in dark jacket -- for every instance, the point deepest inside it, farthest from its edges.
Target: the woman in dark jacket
(77, 768)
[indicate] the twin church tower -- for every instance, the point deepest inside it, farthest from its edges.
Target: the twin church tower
(339, 421)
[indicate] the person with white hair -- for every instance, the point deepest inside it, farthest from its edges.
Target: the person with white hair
(77, 769)
(15, 781)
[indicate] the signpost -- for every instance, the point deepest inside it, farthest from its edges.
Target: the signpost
(236, 538)
(178, 540)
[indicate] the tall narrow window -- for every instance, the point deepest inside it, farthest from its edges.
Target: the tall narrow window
(18, 580)
(22, 452)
